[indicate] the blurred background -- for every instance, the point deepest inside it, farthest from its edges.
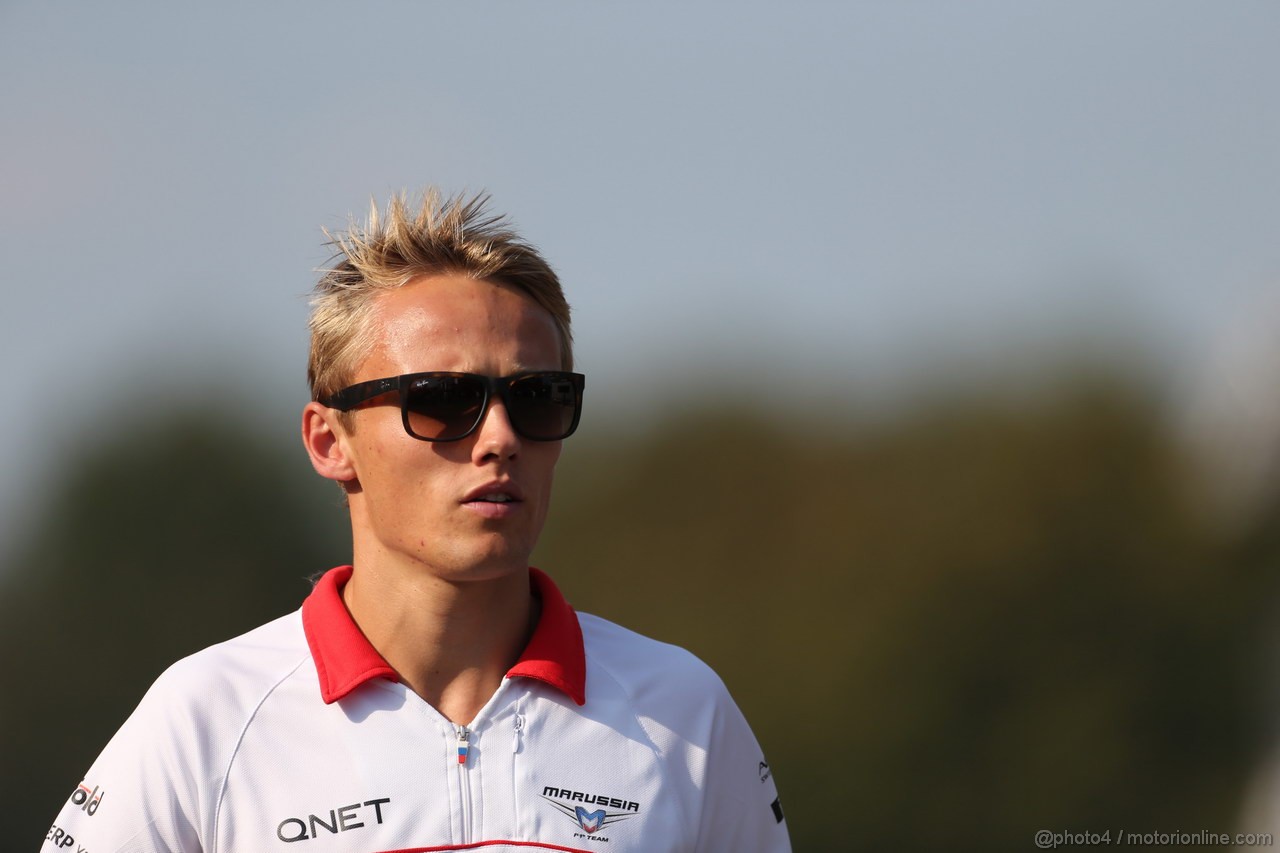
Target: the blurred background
(932, 355)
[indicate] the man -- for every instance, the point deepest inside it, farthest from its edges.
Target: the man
(438, 694)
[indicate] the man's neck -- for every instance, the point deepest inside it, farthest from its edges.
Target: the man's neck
(450, 642)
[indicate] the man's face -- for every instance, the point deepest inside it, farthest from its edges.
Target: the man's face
(420, 500)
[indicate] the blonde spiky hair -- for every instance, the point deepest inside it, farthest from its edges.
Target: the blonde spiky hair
(452, 235)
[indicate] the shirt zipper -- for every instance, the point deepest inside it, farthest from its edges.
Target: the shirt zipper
(464, 749)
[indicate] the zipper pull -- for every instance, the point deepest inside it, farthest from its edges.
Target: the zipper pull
(463, 745)
(515, 742)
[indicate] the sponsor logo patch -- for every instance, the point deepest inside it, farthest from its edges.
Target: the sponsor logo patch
(589, 821)
(574, 805)
(88, 800)
(63, 839)
(341, 819)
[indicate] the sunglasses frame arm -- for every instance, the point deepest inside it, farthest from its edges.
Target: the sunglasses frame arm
(350, 397)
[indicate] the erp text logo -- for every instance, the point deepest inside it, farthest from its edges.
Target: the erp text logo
(88, 800)
(62, 838)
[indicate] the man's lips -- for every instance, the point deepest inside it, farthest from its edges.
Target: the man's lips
(501, 489)
(495, 499)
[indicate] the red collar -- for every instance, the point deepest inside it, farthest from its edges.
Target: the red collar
(345, 658)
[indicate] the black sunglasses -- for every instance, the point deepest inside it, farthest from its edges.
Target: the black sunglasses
(542, 405)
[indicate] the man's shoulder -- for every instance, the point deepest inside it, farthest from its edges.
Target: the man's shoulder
(239, 670)
(190, 720)
(647, 668)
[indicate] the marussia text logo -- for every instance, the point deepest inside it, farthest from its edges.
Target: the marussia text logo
(608, 810)
(86, 799)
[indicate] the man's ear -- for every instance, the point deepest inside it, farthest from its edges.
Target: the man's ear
(326, 443)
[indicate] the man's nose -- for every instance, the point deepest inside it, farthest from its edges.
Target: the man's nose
(496, 437)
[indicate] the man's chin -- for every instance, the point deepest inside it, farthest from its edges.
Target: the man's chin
(489, 566)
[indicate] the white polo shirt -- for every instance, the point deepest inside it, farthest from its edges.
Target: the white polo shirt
(298, 737)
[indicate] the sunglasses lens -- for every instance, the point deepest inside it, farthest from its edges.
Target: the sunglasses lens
(448, 406)
(544, 406)
(443, 407)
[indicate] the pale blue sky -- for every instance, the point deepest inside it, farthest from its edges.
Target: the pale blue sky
(846, 191)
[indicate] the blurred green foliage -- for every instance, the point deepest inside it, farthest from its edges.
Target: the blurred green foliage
(979, 619)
